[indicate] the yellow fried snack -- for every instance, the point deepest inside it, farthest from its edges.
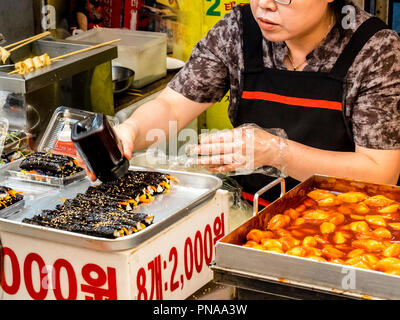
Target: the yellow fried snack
(30, 64)
(4, 55)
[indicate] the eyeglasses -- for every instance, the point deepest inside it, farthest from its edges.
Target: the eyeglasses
(285, 2)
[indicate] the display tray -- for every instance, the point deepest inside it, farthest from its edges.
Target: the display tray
(323, 276)
(12, 209)
(192, 190)
(57, 122)
(15, 140)
(14, 172)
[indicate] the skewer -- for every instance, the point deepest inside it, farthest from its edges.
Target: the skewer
(26, 41)
(76, 52)
(85, 49)
(5, 54)
(134, 94)
(13, 64)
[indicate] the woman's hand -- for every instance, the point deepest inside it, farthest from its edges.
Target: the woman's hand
(242, 149)
(127, 133)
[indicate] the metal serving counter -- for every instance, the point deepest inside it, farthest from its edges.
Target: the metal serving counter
(80, 81)
(192, 190)
(264, 271)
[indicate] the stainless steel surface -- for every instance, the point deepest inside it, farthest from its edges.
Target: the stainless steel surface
(348, 280)
(191, 191)
(122, 78)
(16, 19)
(81, 81)
(248, 286)
(58, 70)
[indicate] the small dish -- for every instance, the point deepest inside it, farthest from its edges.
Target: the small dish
(174, 64)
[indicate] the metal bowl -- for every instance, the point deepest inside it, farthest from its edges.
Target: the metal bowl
(122, 78)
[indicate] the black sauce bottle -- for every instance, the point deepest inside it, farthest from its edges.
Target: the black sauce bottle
(98, 145)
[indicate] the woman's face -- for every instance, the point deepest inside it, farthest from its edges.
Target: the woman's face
(280, 22)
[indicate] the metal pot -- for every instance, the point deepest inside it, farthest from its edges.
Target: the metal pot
(122, 78)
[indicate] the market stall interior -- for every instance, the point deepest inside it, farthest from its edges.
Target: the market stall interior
(157, 232)
(30, 100)
(314, 235)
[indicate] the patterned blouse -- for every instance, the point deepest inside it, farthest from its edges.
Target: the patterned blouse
(373, 81)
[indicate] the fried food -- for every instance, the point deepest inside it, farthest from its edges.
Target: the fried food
(350, 228)
(9, 197)
(4, 54)
(30, 64)
(107, 211)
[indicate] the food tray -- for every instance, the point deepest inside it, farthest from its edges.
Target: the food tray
(192, 190)
(12, 209)
(56, 125)
(232, 257)
(13, 171)
(13, 146)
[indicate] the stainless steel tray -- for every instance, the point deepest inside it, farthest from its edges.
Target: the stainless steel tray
(12, 209)
(325, 276)
(192, 190)
(13, 170)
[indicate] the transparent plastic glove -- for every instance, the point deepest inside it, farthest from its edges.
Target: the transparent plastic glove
(244, 150)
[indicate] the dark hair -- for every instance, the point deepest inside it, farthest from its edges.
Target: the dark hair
(337, 6)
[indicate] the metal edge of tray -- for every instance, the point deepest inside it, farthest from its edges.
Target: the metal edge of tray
(12, 209)
(325, 276)
(119, 244)
(278, 287)
(266, 264)
(10, 169)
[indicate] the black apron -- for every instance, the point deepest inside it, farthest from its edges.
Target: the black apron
(309, 106)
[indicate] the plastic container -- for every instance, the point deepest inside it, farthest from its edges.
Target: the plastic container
(14, 171)
(7, 197)
(56, 129)
(142, 51)
(55, 135)
(15, 140)
(12, 209)
(16, 146)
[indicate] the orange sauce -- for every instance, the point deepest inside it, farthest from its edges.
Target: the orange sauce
(350, 228)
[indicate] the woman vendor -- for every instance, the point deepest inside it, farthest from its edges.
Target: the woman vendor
(331, 81)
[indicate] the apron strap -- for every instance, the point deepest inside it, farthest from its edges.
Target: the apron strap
(252, 40)
(360, 37)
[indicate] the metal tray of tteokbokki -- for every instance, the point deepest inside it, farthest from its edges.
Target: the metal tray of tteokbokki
(327, 234)
(116, 215)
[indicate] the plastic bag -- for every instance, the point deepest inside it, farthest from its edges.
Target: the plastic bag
(239, 209)
(241, 151)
